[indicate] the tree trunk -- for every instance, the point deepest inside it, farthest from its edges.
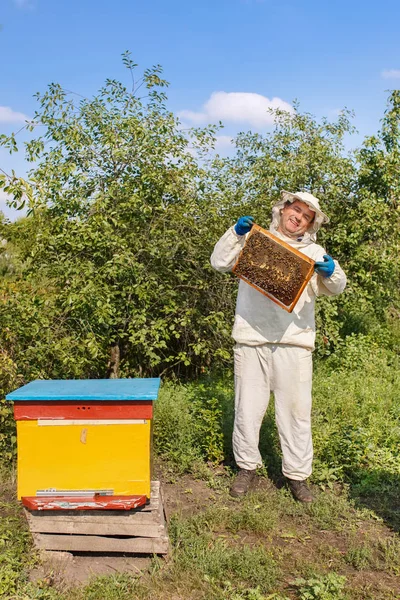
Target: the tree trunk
(113, 365)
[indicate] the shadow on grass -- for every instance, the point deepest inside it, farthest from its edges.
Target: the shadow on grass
(270, 448)
(378, 491)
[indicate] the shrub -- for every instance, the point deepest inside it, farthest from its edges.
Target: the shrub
(9, 380)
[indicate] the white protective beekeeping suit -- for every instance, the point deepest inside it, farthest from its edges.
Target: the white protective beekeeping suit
(273, 350)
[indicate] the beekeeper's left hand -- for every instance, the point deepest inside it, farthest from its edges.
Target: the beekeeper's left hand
(326, 267)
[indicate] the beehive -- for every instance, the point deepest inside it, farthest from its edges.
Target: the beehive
(274, 268)
(76, 437)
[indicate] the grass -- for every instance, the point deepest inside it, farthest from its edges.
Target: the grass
(220, 560)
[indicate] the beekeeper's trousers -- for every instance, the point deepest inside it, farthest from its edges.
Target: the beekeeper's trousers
(287, 371)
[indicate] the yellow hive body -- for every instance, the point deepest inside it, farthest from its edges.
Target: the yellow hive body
(64, 455)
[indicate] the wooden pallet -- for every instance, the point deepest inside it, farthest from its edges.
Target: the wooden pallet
(141, 531)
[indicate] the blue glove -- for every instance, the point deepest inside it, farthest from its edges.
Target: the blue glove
(244, 225)
(325, 268)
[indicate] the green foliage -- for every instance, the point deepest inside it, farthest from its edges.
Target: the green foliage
(14, 546)
(323, 587)
(390, 554)
(359, 556)
(118, 232)
(356, 416)
(9, 380)
(258, 513)
(174, 428)
(207, 415)
(250, 594)
(331, 512)
(188, 426)
(39, 339)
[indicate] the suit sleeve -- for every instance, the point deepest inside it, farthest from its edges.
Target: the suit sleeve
(227, 250)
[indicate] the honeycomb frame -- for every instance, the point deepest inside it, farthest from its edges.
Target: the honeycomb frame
(274, 268)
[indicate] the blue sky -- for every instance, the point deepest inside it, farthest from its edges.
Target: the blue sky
(226, 59)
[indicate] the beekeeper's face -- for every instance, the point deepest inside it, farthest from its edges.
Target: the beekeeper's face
(296, 218)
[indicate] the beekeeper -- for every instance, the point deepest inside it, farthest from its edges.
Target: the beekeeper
(273, 347)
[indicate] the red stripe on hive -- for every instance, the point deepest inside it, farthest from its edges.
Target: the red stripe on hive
(28, 411)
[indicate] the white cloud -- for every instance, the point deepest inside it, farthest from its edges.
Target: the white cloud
(4, 197)
(11, 213)
(391, 74)
(193, 117)
(223, 142)
(237, 107)
(7, 115)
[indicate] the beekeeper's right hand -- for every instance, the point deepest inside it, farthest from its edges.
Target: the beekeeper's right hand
(244, 225)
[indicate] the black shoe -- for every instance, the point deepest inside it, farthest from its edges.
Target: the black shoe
(242, 483)
(300, 491)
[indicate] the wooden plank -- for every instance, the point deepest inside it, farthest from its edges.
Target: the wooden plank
(153, 505)
(154, 490)
(78, 543)
(104, 527)
(40, 519)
